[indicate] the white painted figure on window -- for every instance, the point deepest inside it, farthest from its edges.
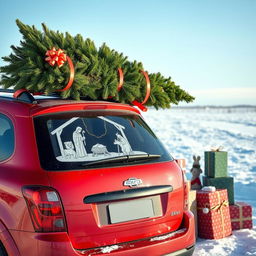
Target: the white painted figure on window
(79, 141)
(99, 149)
(123, 143)
(69, 151)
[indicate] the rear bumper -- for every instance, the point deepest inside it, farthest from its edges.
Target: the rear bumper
(184, 252)
(179, 243)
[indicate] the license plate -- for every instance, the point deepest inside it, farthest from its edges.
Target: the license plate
(131, 210)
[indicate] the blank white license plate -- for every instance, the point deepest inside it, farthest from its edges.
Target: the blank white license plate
(131, 210)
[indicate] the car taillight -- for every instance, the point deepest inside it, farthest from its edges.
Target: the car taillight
(45, 209)
(186, 194)
(182, 164)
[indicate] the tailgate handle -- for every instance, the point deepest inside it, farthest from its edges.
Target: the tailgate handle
(127, 194)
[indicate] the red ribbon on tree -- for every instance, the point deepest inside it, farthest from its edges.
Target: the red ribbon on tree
(121, 79)
(120, 82)
(140, 104)
(58, 57)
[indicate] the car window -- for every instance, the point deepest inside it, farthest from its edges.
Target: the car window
(6, 137)
(73, 140)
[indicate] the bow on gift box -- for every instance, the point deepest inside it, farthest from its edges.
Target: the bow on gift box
(218, 149)
(217, 207)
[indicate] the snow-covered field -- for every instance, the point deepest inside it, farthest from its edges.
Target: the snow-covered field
(191, 131)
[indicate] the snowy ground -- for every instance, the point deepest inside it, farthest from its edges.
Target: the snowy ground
(191, 131)
(241, 243)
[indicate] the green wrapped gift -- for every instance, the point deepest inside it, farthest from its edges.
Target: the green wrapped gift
(222, 183)
(215, 164)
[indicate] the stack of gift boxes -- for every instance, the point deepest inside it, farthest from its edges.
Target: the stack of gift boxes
(216, 174)
(215, 210)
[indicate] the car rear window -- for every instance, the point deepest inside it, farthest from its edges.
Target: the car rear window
(6, 137)
(83, 140)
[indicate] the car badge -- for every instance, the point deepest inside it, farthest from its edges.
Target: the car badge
(132, 182)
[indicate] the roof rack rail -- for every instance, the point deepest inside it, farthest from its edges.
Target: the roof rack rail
(7, 90)
(24, 95)
(20, 95)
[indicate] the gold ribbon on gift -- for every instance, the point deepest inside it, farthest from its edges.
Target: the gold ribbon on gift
(241, 218)
(218, 208)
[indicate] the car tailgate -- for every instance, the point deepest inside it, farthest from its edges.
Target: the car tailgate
(108, 206)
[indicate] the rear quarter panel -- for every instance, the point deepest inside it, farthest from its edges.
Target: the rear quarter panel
(22, 168)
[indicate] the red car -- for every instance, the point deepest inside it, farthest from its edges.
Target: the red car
(87, 178)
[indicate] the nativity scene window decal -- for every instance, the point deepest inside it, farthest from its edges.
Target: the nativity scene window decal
(76, 150)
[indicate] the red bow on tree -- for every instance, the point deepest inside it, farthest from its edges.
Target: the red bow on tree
(56, 57)
(59, 57)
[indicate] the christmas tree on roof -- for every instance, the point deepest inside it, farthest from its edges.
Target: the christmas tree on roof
(48, 61)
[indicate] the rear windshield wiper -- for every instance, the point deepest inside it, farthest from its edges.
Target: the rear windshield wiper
(123, 159)
(132, 158)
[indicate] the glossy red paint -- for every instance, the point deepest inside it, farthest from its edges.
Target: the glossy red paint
(58, 244)
(7, 241)
(50, 106)
(85, 229)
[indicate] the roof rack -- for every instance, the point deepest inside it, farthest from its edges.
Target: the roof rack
(21, 95)
(6, 93)
(7, 90)
(25, 96)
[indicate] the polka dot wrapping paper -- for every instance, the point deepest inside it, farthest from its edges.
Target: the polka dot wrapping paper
(241, 216)
(213, 214)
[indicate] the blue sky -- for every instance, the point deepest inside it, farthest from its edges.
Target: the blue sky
(208, 47)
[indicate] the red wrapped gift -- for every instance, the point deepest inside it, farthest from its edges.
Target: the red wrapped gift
(241, 215)
(213, 214)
